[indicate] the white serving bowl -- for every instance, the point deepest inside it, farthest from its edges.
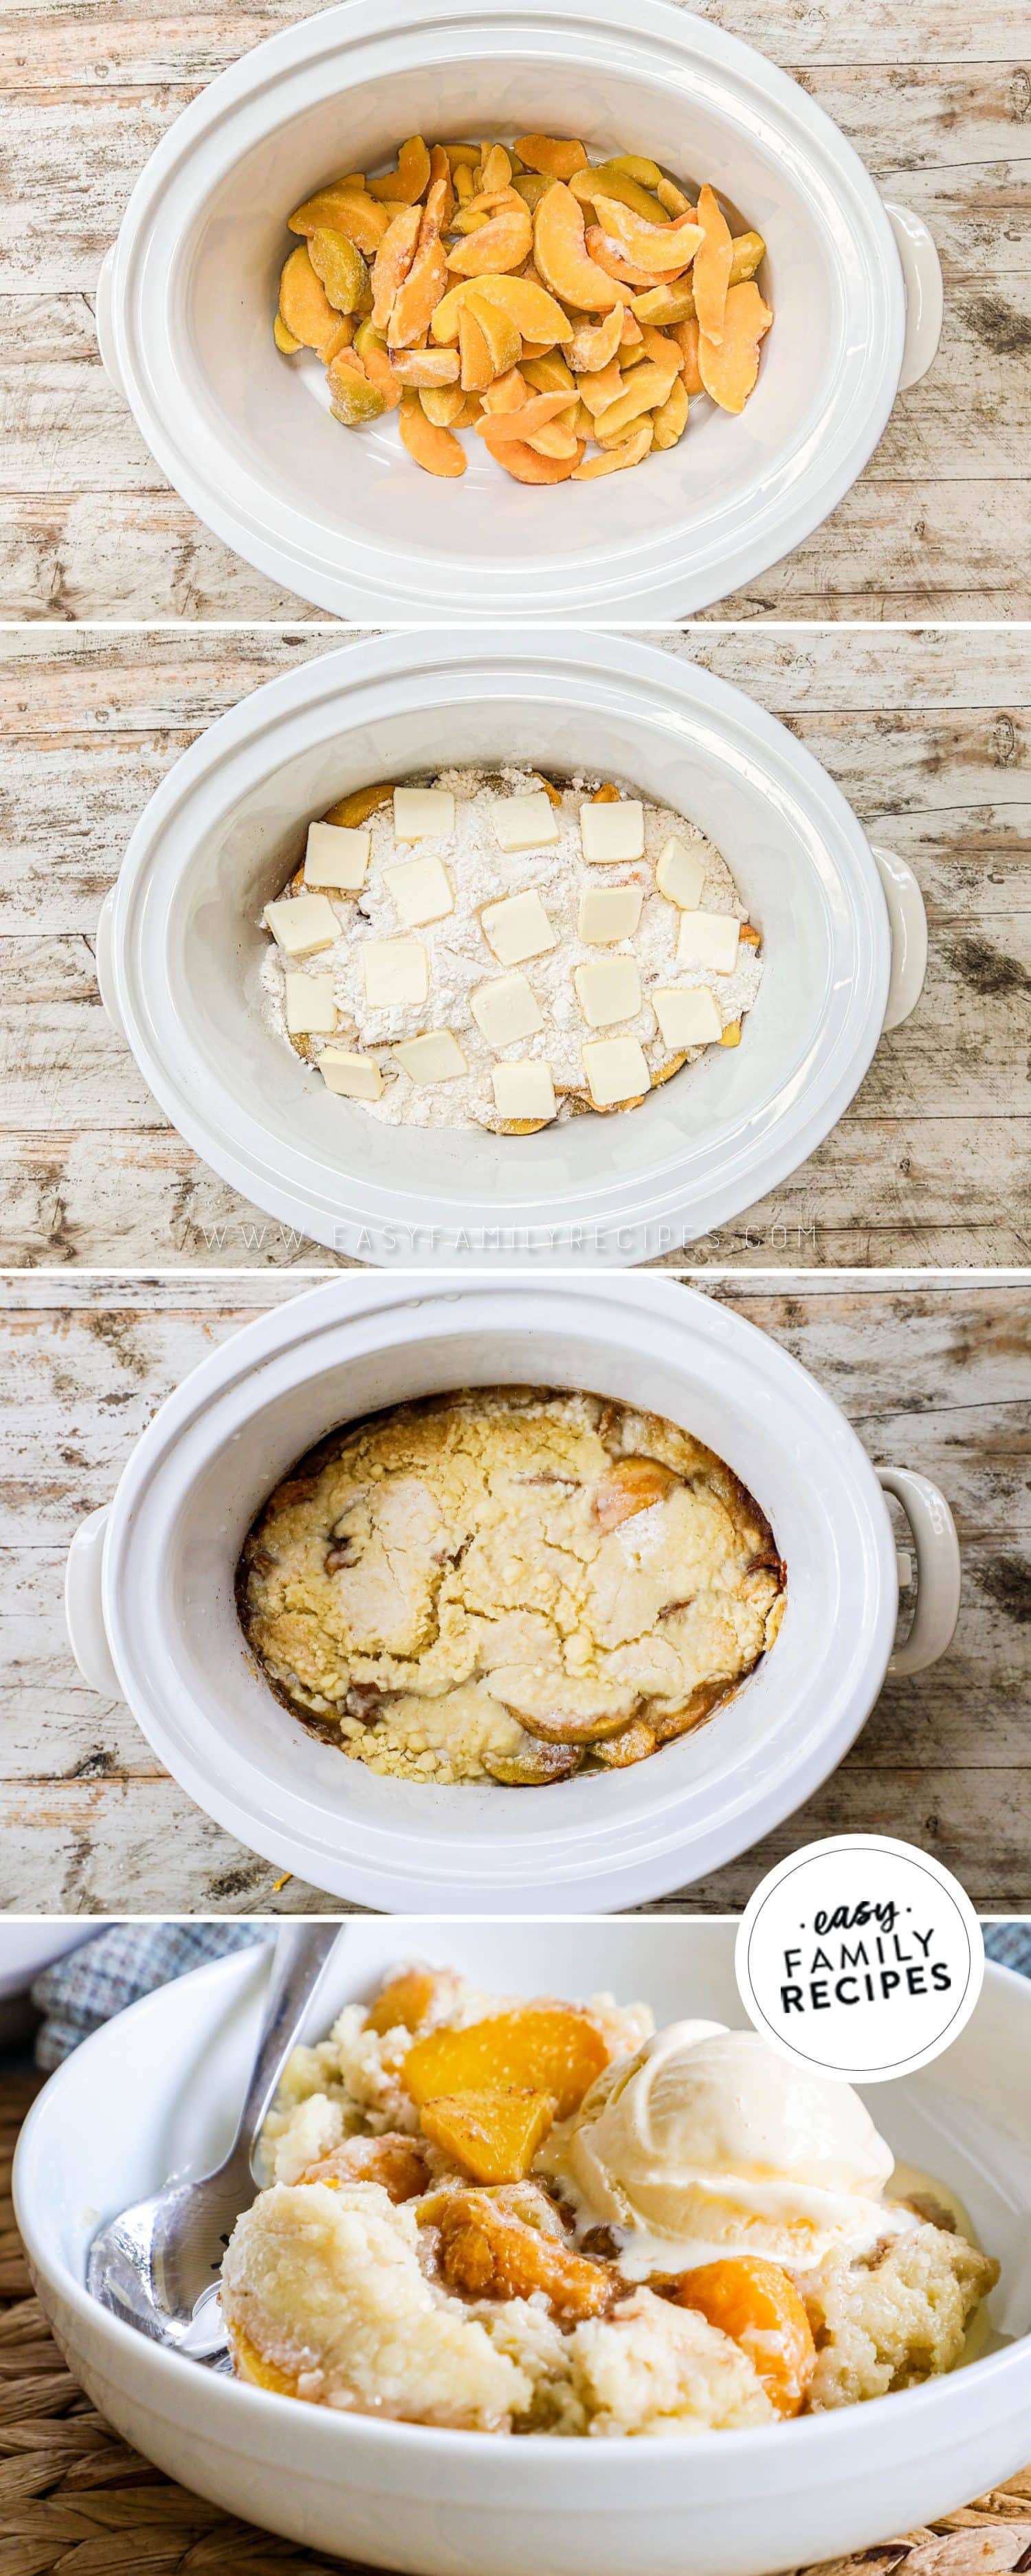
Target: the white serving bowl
(185, 312)
(30, 1944)
(152, 1612)
(159, 2090)
(180, 949)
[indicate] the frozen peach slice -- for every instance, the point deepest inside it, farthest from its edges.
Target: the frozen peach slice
(670, 419)
(304, 304)
(487, 2252)
(350, 811)
(758, 2306)
(444, 405)
(597, 392)
(617, 454)
(498, 245)
(665, 305)
(672, 198)
(550, 374)
(534, 312)
(556, 155)
(436, 450)
(525, 421)
(393, 261)
(395, 2162)
(503, 339)
(405, 2000)
(371, 348)
(284, 339)
(608, 180)
(595, 343)
(403, 185)
(477, 365)
(617, 264)
(710, 276)
(631, 1485)
(656, 248)
(417, 299)
(495, 2134)
(352, 398)
(747, 249)
(648, 386)
(526, 466)
(554, 440)
(343, 210)
(544, 2048)
(506, 393)
(561, 256)
(425, 367)
(686, 336)
(497, 168)
(729, 368)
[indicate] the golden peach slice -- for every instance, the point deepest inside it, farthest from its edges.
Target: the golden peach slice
(436, 450)
(648, 387)
(729, 368)
(560, 254)
(555, 440)
(658, 249)
(609, 256)
(598, 392)
(731, 1035)
(506, 393)
(665, 305)
(497, 168)
(555, 156)
(284, 339)
(477, 365)
(607, 795)
(406, 1999)
(353, 400)
(355, 809)
(421, 367)
(394, 2161)
(494, 2134)
(671, 416)
(304, 304)
(534, 313)
(371, 348)
(393, 261)
(525, 421)
(661, 348)
(634, 1743)
(746, 251)
(673, 199)
(531, 186)
(499, 331)
(499, 245)
(594, 343)
(444, 405)
(550, 374)
(403, 185)
(463, 156)
(632, 1485)
(417, 299)
(647, 173)
(532, 1765)
(608, 180)
(486, 2252)
(710, 276)
(617, 454)
(686, 335)
(342, 338)
(344, 210)
(757, 2305)
(548, 2048)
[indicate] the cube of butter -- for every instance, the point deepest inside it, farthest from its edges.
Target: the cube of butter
(679, 874)
(505, 1010)
(523, 1090)
(687, 1015)
(311, 1009)
(301, 924)
(517, 927)
(423, 813)
(421, 889)
(610, 832)
(395, 971)
(616, 1069)
(336, 857)
(708, 939)
(354, 1077)
(608, 988)
(434, 1057)
(607, 913)
(524, 822)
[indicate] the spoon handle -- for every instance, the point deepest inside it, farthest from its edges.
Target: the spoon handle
(301, 1955)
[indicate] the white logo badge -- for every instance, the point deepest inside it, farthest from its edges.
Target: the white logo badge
(861, 1957)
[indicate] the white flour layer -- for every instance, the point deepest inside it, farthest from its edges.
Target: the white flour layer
(460, 959)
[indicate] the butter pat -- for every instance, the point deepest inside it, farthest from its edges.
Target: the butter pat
(436, 1057)
(608, 988)
(616, 1070)
(679, 874)
(421, 889)
(395, 972)
(524, 822)
(354, 1077)
(336, 857)
(523, 1090)
(301, 924)
(708, 939)
(517, 927)
(311, 1009)
(423, 813)
(506, 1010)
(609, 832)
(608, 913)
(687, 1015)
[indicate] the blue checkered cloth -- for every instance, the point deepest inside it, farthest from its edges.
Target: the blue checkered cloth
(121, 1963)
(1010, 1944)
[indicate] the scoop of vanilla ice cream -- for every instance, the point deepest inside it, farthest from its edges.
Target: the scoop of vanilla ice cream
(708, 2142)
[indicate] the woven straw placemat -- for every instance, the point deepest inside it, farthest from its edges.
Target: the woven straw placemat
(75, 2499)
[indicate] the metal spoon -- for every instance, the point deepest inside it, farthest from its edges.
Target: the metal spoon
(157, 2265)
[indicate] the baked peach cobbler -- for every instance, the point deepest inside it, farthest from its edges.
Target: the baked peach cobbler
(509, 1583)
(567, 312)
(545, 2217)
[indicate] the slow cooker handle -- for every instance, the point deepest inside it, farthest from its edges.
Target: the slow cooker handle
(921, 270)
(908, 922)
(104, 962)
(104, 327)
(938, 1568)
(83, 1606)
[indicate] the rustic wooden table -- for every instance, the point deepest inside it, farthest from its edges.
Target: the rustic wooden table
(932, 93)
(925, 731)
(934, 1375)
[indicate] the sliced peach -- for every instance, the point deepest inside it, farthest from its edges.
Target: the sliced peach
(607, 795)
(486, 2252)
(477, 365)
(497, 168)
(487, 202)
(710, 276)
(463, 156)
(550, 374)
(595, 343)
(304, 304)
(661, 348)
(611, 258)
(597, 392)
(344, 210)
(353, 399)
(673, 199)
(631, 335)
(529, 307)
(758, 2306)
(495, 2134)
(425, 367)
(284, 339)
(499, 245)
(607, 179)
(436, 450)
(634, 1743)
(631, 1485)
(531, 185)
(686, 336)
(402, 186)
(670, 420)
(342, 338)
(351, 811)
(372, 350)
(531, 1765)
(546, 2048)
(656, 248)
(729, 369)
(393, 261)
(620, 453)
(499, 331)
(747, 249)
(557, 156)
(648, 387)
(440, 169)
(525, 421)
(417, 299)
(554, 440)
(395, 2162)
(665, 305)
(444, 405)
(525, 466)
(462, 182)
(405, 2000)
(561, 255)
(506, 393)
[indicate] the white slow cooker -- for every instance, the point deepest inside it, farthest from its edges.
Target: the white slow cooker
(185, 306)
(180, 949)
(152, 1615)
